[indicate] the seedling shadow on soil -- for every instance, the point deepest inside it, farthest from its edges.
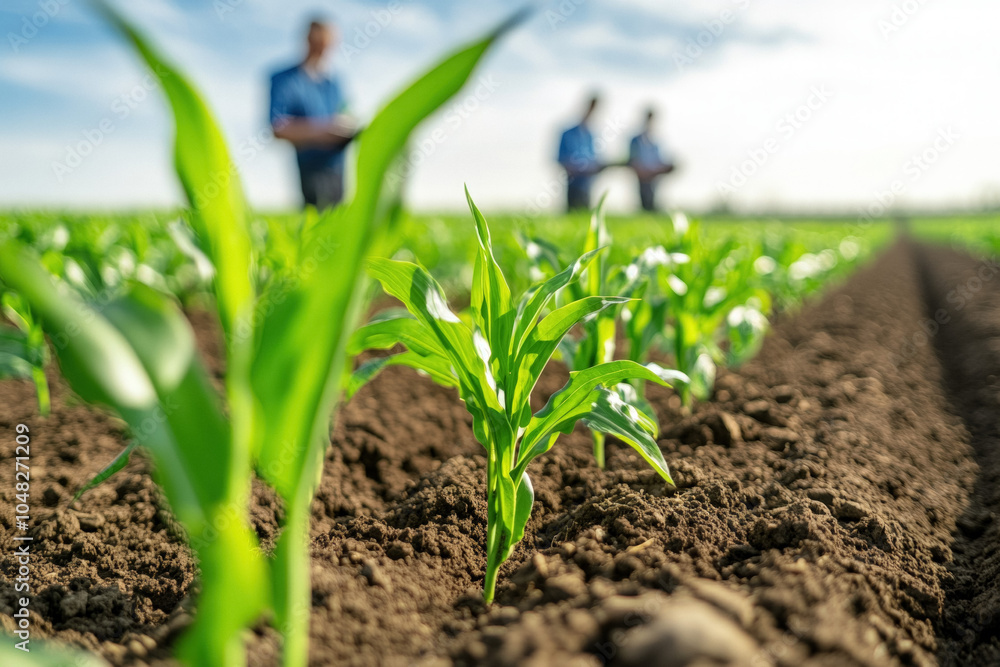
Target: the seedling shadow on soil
(823, 514)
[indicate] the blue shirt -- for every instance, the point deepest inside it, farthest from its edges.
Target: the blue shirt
(295, 94)
(576, 151)
(644, 152)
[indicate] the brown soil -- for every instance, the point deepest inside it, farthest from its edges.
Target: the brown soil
(836, 505)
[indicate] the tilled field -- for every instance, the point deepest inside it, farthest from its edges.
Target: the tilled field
(836, 505)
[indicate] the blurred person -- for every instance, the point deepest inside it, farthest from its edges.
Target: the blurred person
(578, 158)
(646, 160)
(308, 110)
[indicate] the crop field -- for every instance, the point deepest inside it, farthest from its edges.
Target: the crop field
(370, 437)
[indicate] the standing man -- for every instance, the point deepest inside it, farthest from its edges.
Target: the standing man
(645, 159)
(307, 110)
(577, 157)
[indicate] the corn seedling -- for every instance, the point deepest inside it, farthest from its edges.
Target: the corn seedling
(23, 350)
(788, 269)
(494, 363)
(285, 354)
(697, 294)
(595, 341)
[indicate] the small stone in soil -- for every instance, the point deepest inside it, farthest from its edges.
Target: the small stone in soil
(687, 632)
(851, 511)
(759, 410)
(398, 550)
(725, 429)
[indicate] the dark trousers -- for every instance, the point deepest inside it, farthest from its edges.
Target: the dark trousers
(577, 194)
(322, 187)
(647, 195)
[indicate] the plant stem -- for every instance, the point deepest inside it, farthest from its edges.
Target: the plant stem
(490, 583)
(493, 521)
(599, 449)
(42, 389)
(687, 399)
(226, 604)
(293, 592)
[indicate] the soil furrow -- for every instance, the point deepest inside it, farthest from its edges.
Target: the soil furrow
(963, 323)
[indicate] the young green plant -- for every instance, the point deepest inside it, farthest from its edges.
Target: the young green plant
(495, 363)
(698, 293)
(284, 348)
(595, 342)
(23, 350)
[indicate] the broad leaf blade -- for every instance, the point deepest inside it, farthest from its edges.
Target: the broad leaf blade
(210, 181)
(164, 343)
(492, 308)
(525, 500)
(14, 356)
(385, 334)
(542, 340)
(424, 298)
(539, 298)
(96, 359)
(610, 414)
(437, 368)
(112, 364)
(573, 401)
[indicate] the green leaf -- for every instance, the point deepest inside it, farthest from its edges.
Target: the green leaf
(610, 414)
(163, 341)
(14, 357)
(389, 131)
(16, 311)
(137, 358)
(116, 465)
(702, 373)
(541, 342)
(492, 308)
(574, 400)
(385, 334)
(313, 322)
(437, 368)
(604, 336)
(97, 360)
(525, 500)
(543, 254)
(747, 327)
(301, 347)
(537, 299)
(424, 298)
(210, 182)
(597, 237)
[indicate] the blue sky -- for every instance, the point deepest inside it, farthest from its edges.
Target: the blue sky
(767, 103)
